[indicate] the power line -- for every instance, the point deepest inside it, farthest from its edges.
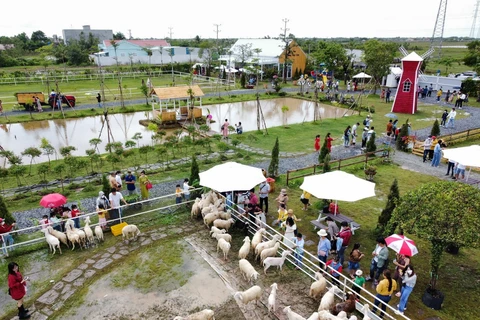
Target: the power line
(170, 32)
(217, 31)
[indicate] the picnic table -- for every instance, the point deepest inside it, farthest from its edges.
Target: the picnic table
(338, 217)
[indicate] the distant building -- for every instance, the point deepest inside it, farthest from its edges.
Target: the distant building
(356, 58)
(74, 34)
(6, 46)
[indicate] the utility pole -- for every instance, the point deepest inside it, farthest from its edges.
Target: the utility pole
(129, 33)
(170, 32)
(216, 31)
(285, 29)
(474, 23)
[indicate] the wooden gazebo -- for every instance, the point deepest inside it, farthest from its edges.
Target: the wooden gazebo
(167, 95)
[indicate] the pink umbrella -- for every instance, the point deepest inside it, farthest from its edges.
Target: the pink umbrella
(401, 244)
(53, 200)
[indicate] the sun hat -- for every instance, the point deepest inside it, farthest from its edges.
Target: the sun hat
(358, 273)
(290, 211)
(283, 191)
(434, 137)
(322, 233)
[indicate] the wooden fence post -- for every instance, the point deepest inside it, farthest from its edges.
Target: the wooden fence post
(287, 177)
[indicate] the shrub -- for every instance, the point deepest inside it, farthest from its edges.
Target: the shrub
(273, 167)
(4, 213)
(222, 146)
(402, 137)
(386, 214)
(435, 129)
(222, 157)
(371, 146)
(282, 94)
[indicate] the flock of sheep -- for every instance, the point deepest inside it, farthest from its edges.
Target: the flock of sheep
(212, 209)
(82, 238)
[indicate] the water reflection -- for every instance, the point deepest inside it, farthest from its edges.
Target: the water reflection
(78, 132)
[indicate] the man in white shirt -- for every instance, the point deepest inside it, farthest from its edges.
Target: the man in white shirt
(264, 190)
(354, 133)
(370, 133)
(186, 190)
(426, 147)
(116, 199)
(451, 118)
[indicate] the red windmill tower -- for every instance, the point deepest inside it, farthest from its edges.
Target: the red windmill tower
(407, 91)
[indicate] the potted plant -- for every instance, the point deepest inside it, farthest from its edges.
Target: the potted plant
(370, 172)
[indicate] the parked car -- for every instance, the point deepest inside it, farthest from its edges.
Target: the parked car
(26, 99)
(66, 99)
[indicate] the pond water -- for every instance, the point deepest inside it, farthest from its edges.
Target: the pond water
(78, 132)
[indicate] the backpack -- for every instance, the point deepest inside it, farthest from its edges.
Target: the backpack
(364, 122)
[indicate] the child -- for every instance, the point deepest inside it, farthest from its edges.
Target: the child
(102, 220)
(335, 269)
(178, 194)
(305, 199)
(282, 215)
(317, 143)
(45, 222)
(74, 213)
(298, 246)
(359, 282)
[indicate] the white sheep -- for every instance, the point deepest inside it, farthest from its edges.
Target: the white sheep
(326, 315)
(218, 203)
(99, 233)
(278, 262)
(216, 230)
(52, 241)
(292, 315)
(248, 271)
(205, 314)
(88, 230)
(130, 231)
(245, 249)
(59, 235)
(209, 209)
(265, 245)
(225, 246)
(342, 315)
(328, 299)
(257, 237)
(196, 210)
(227, 237)
(314, 316)
(253, 293)
(81, 235)
(272, 297)
(221, 207)
(226, 215)
(317, 287)
(223, 224)
(210, 217)
(269, 252)
(353, 318)
(366, 312)
(73, 238)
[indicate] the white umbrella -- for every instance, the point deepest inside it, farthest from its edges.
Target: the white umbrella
(231, 176)
(468, 156)
(362, 75)
(338, 185)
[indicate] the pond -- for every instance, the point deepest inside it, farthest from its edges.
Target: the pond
(78, 132)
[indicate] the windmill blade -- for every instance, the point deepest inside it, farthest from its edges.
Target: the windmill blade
(428, 53)
(403, 51)
(421, 76)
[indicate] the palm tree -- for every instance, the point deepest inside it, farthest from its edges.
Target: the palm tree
(115, 45)
(160, 49)
(149, 53)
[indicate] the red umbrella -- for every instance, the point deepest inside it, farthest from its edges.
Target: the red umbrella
(401, 244)
(53, 200)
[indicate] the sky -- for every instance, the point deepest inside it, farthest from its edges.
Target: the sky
(240, 19)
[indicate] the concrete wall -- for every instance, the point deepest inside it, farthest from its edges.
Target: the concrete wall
(140, 56)
(445, 83)
(74, 34)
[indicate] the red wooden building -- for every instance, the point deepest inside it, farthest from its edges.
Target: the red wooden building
(407, 91)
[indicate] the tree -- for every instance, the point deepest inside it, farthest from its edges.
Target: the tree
(402, 137)
(93, 156)
(144, 90)
(435, 129)
(4, 213)
(243, 80)
(288, 51)
(145, 150)
(47, 148)
(105, 185)
(206, 53)
(323, 152)
(42, 171)
(378, 57)
(194, 172)
(326, 164)
(67, 151)
(33, 153)
(149, 53)
(137, 137)
(115, 46)
(332, 54)
(455, 221)
(3, 176)
(273, 167)
(371, 146)
(447, 62)
(18, 171)
(243, 52)
(386, 213)
(118, 36)
(94, 143)
(472, 58)
(38, 40)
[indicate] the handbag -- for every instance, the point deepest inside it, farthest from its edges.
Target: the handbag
(149, 185)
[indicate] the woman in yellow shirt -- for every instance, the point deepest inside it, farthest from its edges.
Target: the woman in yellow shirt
(305, 199)
(282, 215)
(385, 289)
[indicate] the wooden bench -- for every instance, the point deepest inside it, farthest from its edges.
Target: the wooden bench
(335, 217)
(318, 225)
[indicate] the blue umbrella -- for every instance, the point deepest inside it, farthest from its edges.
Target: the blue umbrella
(391, 115)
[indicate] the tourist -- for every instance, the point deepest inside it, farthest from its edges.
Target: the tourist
(252, 197)
(45, 222)
(368, 120)
(447, 96)
(116, 199)
(409, 280)
(323, 248)
(346, 136)
(17, 288)
(7, 239)
(389, 127)
(437, 154)
(99, 100)
(401, 261)
(260, 219)
(439, 94)
(460, 170)
(263, 191)
(358, 282)
(380, 257)
(328, 141)
(143, 180)
(225, 129)
(130, 182)
(74, 214)
(178, 194)
(354, 260)
(113, 180)
(451, 166)
(305, 199)
(102, 216)
(354, 133)
(1, 107)
(430, 89)
(39, 105)
(384, 292)
(118, 179)
(335, 270)
(426, 147)
(382, 95)
(186, 190)
(387, 95)
(239, 128)
(364, 138)
(332, 233)
(444, 118)
(298, 244)
(345, 234)
(395, 130)
(282, 215)
(370, 133)
(282, 198)
(316, 145)
(451, 119)
(102, 200)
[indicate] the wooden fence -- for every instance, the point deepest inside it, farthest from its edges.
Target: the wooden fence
(338, 164)
(449, 138)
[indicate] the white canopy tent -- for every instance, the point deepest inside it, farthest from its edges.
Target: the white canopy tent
(362, 75)
(231, 176)
(468, 156)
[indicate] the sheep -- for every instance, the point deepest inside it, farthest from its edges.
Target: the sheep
(353, 318)
(278, 262)
(223, 224)
(225, 246)
(88, 230)
(292, 315)
(210, 217)
(129, 231)
(59, 235)
(253, 293)
(81, 235)
(99, 233)
(317, 287)
(325, 315)
(272, 297)
(257, 237)
(196, 210)
(205, 314)
(225, 237)
(218, 203)
(209, 209)
(221, 207)
(342, 315)
(245, 249)
(216, 230)
(248, 271)
(270, 252)
(348, 305)
(328, 299)
(314, 316)
(265, 245)
(225, 215)
(52, 241)
(366, 310)
(73, 238)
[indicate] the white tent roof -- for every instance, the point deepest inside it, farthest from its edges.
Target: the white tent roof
(362, 75)
(269, 47)
(396, 71)
(412, 57)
